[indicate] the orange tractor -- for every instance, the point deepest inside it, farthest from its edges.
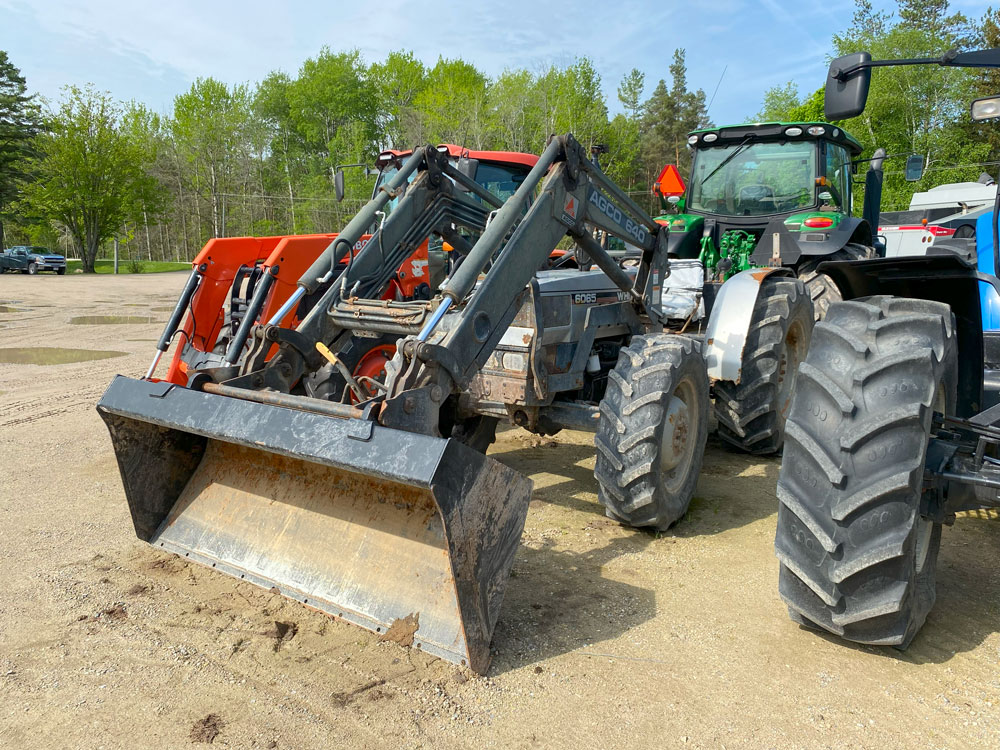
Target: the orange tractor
(237, 282)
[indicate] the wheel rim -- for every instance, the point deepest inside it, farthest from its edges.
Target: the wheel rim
(792, 354)
(680, 431)
(923, 547)
(372, 366)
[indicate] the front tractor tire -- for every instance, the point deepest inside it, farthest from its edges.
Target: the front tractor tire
(821, 288)
(856, 557)
(651, 435)
(752, 413)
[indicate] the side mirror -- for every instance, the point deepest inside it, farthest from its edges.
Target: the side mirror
(338, 184)
(846, 88)
(986, 108)
(914, 167)
(468, 167)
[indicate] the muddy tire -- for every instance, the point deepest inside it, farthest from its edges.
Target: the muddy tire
(752, 413)
(651, 435)
(857, 558)
(32, 269)
(822, 290)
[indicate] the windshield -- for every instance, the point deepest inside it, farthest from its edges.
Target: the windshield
(761, 179)
(502, 180)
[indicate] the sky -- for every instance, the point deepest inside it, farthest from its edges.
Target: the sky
(150, 52)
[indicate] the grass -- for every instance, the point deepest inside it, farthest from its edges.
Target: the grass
(124, 266)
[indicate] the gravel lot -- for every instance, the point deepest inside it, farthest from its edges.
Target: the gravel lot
(608, 638)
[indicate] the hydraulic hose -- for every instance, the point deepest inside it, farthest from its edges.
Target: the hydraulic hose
(175, 317)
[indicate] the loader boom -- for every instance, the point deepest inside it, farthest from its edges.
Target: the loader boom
(574, 194)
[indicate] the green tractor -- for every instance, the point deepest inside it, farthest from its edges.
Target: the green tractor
(772, 194)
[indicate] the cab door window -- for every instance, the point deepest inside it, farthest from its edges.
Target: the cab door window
(838, 176)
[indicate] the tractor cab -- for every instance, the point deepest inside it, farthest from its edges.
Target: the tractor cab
(744, 177)
(500, 172)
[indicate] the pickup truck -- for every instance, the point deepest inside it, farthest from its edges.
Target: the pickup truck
(28, 259)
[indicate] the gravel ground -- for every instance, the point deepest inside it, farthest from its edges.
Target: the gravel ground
(608, 637)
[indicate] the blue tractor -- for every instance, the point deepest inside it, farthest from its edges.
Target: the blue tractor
(894, 425)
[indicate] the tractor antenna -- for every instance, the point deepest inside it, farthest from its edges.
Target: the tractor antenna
(709, 107)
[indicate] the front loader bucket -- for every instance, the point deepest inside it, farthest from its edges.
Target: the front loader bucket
(407, 535)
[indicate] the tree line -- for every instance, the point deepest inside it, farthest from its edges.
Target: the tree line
(912, 110)
(257, 158)
(242, 159)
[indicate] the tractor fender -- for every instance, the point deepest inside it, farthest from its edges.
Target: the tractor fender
(729, 323)
(794, 246)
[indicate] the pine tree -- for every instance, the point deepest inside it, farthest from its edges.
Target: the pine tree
(19, 122)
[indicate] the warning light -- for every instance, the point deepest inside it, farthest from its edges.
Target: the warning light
(818, 222)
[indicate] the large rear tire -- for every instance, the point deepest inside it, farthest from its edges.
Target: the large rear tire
(821, 288)
(752, 413)
(651, 435)
(857, 558)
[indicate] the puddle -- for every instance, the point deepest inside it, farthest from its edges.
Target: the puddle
(109, 320)
(46, 355)
(9, 309)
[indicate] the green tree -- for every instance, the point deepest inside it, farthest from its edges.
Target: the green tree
(516, 115)
(782, 104)
(145, 129)
(452, 106)
(209, 135)
(89, 173)
(668, 116)
(987, 83)
(630, 92)
(398, 80)
(19, 122)
(918, 109)
(572, 101)
(779, 101)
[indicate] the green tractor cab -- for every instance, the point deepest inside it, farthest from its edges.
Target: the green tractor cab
(768, 194)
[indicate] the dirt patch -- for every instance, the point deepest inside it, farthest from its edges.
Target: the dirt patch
(48, 355)
(206, 730)
(281, 632)
(109, 320)
(116, 612)
(402, 629)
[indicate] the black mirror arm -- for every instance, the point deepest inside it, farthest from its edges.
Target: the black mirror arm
(951, 58)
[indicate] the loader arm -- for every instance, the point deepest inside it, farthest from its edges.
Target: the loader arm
(432, 364)
(432, 204)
